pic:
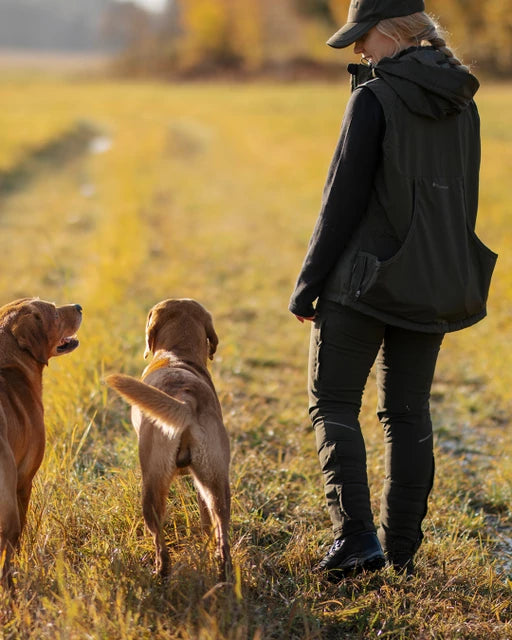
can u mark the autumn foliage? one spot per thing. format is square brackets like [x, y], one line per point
[248, 36]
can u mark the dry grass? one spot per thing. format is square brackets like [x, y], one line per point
[211, 191]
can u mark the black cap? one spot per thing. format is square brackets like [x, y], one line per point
[365, 14]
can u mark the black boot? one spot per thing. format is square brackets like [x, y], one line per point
[399, 552]
[402, 562]
[353, 554]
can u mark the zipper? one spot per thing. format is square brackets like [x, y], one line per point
[357, 294]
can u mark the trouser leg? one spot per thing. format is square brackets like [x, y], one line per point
[344, 345]
[405, 370]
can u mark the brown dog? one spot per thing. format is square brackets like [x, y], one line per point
[178, 419]
[31, 332]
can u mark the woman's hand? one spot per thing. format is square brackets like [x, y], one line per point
[301, 319]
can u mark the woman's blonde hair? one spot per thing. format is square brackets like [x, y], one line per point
[421, 29]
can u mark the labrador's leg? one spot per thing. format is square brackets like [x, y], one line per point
[23, 497]
[216, 494]
[10, 527]
[204, 514]
[158, 467]
[154, 496]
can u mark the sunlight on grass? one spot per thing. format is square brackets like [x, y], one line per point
[211, 191]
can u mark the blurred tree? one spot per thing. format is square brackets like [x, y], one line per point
[316, 8]
[236, 33]
[498, 33]
[248, 35]
[207, 33]
[125, 25]
[339, 10]
[248, 32]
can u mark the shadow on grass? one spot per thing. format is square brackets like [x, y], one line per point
[54, 153]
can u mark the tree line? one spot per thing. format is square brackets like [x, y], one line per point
[253, 36]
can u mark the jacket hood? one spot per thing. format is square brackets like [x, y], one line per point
[427, 84]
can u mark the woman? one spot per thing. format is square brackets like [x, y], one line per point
[395, 264]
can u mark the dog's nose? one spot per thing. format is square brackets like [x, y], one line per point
[78, 307]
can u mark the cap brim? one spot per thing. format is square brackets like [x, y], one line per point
[349, 33]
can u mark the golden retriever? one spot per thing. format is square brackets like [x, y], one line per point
[31, 332]
[178, 419]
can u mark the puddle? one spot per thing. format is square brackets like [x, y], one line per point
[100, 144]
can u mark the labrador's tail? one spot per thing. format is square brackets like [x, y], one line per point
[167, 411]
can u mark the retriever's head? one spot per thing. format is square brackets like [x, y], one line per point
[182, 326]
[41, 328]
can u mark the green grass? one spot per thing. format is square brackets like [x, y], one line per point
[211, 191]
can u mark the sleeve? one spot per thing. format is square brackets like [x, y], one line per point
[345, 196]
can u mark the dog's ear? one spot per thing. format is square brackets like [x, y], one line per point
[213, 339]
[150, 335]
[28, 331]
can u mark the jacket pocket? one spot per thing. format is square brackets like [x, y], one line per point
[442, 271]
[364, 273]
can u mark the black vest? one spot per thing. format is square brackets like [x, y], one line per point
[415, 260]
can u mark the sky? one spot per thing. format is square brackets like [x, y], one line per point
[154, 5]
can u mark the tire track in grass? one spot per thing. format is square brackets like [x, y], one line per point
[51, 155]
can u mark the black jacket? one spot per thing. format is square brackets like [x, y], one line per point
[413, 259]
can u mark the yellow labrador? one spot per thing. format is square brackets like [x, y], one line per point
[31, 332]
[178, 419]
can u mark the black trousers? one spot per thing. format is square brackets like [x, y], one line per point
[344, 346]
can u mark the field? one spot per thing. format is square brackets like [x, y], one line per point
[116, 196]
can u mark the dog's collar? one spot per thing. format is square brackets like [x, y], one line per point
[183, 363]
